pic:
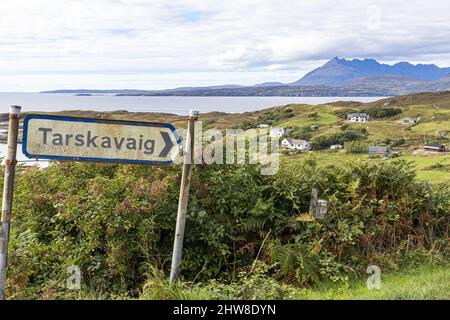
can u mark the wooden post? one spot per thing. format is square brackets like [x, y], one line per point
[314, 202]
[8, 189]
[184, 195]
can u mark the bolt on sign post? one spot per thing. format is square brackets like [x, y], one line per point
[81, 139]
[8, 188]
[184, 195]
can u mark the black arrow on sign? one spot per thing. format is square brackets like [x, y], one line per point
[168, 146]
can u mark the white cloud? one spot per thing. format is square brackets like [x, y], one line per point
[261, 40]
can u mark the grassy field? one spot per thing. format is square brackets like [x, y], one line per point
[424, 283]
[432, 168]
[435, 169]
[434, 113]
[302, 120]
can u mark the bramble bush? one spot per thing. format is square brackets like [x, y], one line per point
[117, 221]
[324, 142]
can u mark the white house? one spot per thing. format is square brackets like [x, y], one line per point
[358, 117]
[277, 132]
[336, 146]
[376, 151]
[298, 144]
[263, 125]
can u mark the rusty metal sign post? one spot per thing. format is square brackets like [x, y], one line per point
[8, 189]
[184, 195]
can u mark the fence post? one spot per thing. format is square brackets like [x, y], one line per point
[314, 201]
[8, 190]
[184, 195]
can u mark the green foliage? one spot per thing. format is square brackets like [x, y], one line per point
[158, 287]
[276, 115]
[257, 284]
[303, 133]
[254, 283]
[247, 124]
[342, 113]
[357, 147]
[313, 115]
[379, 112]
[117, 224]
[324, 142]
[398, 142]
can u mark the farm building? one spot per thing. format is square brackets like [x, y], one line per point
[298, 144]
[336, 146]
[376, 151]
[277, 132]
[434, 147]
[409, 120]
[263, 125]
[358, 117]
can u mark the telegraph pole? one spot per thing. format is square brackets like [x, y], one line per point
[8, 189]
[184, 195]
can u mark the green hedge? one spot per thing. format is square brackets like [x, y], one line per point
[117, 223]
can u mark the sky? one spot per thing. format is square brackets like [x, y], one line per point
[156, 44]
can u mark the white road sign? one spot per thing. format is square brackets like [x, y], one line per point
[99, 140]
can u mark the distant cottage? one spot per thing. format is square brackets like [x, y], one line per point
[378, 152]
[434, 147]
[263, 125]
[409, 120]
[277, 132]
[358, 117]
[336, 146]
[298, 144]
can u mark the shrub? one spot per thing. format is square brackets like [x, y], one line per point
[357, 147]
[324, 142]
[303, 133]
[115, 222]
[379, 112]
[398, 142]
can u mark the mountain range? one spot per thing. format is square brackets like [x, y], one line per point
[341, 72]
[337, 77]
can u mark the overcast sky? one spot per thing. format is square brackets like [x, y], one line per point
[155, 44]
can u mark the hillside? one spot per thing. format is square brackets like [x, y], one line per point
[429, 104]
[432, 108]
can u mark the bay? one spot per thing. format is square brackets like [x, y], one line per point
[168, 104]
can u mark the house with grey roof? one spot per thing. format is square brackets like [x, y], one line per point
[378, 151]
[298, 144]
[434, 147]
[409, 120]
